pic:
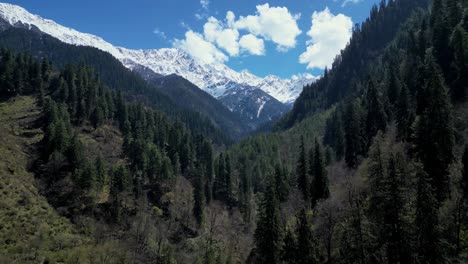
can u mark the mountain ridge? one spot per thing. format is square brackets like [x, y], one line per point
[214, 79]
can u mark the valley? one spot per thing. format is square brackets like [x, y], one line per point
[116, 155]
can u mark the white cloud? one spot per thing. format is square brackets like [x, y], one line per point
[329, 35]
[275, 24]
[160, 33]
[225, 38]
[350, 1]
[272, 23]
[252, 44]
[200, 49]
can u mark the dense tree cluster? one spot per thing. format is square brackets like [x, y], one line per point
[393, 124]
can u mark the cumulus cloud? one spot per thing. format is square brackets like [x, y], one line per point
[272, 23]
[329, 35]
[200, 49]
[252, 44]
[225, 38]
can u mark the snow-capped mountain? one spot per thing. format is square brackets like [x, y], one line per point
[216, 79]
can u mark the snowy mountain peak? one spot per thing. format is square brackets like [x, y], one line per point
[215, 79]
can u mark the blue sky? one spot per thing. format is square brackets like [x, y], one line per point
[148, 24]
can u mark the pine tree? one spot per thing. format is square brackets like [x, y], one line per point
[219, 188]
[434, 135]
[404, 114]
[75, 153]
[394, 86]
[353, 140]
[334, 134]
[376, 116]
[307, 244]
[228, 181]
[281, 185]
[319, 187]
[87, 176]
[303, 183]
[290, 248]
[97, 117]
[268, 234]
[198, 195]
[100, 172]
[429, 247]
[459, 44]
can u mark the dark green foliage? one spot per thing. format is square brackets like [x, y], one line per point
[404, 114]
[303, 181]
[268, 235]
[429, 247]
[334, 134]
[198, 194]
[111, 73]
[222, 189]
[353, 138]
[307, 244]
[387, 201]
[376, 118]
[434, 133]
[281, 183]
[319, 185]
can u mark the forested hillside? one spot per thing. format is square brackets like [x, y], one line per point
[116, 76]
[370, 166]
[373, 166]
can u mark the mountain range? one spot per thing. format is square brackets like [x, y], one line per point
[256, 100]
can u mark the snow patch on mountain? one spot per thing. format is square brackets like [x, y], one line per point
[216, 79]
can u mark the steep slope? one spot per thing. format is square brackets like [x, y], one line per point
[187, 95]
[367, 42]
[253, 105]
[211, 78]
[30, 228]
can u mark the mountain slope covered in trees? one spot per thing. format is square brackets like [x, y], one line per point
[117, 77]
[369, 169]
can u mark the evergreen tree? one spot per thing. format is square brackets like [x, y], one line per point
[376, 116]
[281, 185]
[97, 117]
[429, 247]
[303, 183]
[404, 114]
[290, 248]
[87, 176]
[307, 244]
[100, 172]
[198, 195]
[459, 44]
[319, 187]
[268, 234]
[434, 135]
[353, 140]
[334, 134]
